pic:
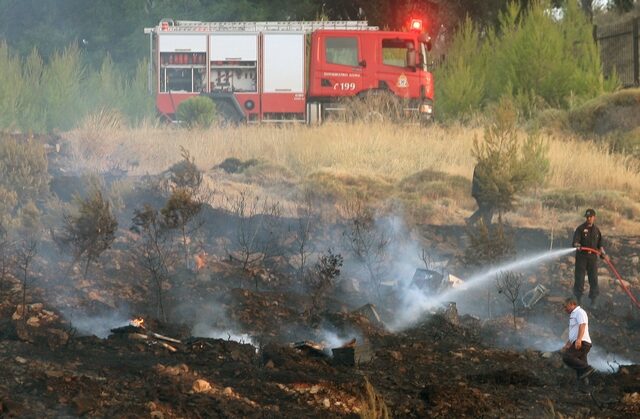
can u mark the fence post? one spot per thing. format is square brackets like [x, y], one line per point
[636, 52]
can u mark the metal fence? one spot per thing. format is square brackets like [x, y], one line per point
[620, 51]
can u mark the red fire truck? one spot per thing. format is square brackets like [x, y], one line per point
[289, 71]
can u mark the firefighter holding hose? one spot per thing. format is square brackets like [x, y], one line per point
[587, 235]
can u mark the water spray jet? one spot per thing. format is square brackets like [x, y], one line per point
[415, 302]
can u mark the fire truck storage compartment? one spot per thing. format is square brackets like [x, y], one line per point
[233, 61]
[182, 63]
[283, 74]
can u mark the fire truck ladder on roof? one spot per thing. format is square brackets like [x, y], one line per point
[293, 26]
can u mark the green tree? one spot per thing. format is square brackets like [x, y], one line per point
[506, 166]
[533, 57]
[462, 80]
[62, 88]
[24, 173]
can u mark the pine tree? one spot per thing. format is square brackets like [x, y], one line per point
[505, 165]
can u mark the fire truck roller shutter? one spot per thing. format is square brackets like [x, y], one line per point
[284, 62]
[173, 42]
[283, 92]
[234, 47]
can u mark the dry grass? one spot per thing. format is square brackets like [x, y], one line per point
[341, 156]
[390, 151]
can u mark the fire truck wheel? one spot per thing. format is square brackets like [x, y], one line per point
[381, 106]
[226, 114]
[374, 116]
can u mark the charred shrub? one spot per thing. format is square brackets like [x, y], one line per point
[6, 256]
[508, 284]
[257, 228]
[197, 112]
[487, 245]
[185, 173]
[179, 211]
[368, 243]
[235, 165]
[91, 229]
[322, 278]
[153, 251]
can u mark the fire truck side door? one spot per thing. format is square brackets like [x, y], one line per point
[395, 69]
[341, 65]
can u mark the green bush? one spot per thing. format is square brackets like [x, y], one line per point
[626, 143]
[197, 112]
[607, 113]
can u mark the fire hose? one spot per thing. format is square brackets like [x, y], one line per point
[626, 289]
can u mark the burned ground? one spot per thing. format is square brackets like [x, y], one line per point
[247, 341]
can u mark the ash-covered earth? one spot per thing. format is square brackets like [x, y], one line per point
[245, 333]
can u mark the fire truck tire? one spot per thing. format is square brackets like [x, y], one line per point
[226, 113]
[381, 106]
[374, 116]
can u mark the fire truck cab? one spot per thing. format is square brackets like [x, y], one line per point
[287, 71]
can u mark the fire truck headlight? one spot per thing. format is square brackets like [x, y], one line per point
[249, 104]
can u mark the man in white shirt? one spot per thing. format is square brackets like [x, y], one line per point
[574, 352]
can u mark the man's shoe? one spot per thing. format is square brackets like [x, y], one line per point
[586, 373]
[593, 303]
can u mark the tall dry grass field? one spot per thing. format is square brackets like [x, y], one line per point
[388, 151]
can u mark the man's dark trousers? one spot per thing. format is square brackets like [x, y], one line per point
[586, 262]
[577, 358]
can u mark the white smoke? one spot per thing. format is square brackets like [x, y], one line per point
[606, 361]
[99, 326]
[205, 331]
[330, 339]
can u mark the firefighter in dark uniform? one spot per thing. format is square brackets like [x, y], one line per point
[587, 235]
[485, 209]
